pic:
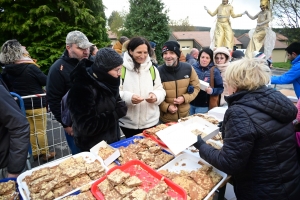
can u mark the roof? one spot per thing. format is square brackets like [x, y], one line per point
[111, 35]
[201, 37]
[281, 37]
[279, 42]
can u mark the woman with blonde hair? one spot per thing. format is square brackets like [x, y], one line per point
[260, 150]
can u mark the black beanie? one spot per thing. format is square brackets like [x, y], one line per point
[172, 46]
[107, 59]
[238, 54]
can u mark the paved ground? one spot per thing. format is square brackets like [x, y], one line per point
[277, 72]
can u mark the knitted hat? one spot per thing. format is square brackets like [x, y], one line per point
[152, 44]
[107, 59]
[223, 50]
[172, 46]
[238, 54]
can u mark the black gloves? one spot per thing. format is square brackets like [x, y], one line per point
[121, 109]
[198, 144]
[220, 126]
[190, 89]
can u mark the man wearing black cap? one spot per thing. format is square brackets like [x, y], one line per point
[176, 78]
[58, 79]
[97, 85]
[236, 55]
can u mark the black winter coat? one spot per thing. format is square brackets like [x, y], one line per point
[14, 133]
[259, 149]
[26, 79]
[92, 107]
[58, 83]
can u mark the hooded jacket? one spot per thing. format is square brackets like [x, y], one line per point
[291, 76]
[14, 133]
[259, 146]
[142, 115]
[26, 79]
[175, 81]
[92, 107]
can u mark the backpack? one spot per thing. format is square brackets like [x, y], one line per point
[65, 112]
[151, 69]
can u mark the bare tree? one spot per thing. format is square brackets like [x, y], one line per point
[287, 15]
[181, 25]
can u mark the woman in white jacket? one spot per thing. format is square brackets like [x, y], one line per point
[141, 93]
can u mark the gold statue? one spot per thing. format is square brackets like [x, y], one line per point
[262, 34]
[223, 34]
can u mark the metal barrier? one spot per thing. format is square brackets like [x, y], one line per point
[47, 134]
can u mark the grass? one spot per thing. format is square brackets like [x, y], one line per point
[282, 65]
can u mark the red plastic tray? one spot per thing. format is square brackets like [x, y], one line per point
[155, 138]
[148, 176]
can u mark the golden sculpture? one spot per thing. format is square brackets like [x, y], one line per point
[262, 34]
[223, 34]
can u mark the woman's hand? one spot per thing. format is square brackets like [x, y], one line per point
[209, 90]
[152, 98]
[135, 99]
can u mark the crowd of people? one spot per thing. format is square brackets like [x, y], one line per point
[121, 89]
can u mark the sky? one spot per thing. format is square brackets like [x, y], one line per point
[194, 9]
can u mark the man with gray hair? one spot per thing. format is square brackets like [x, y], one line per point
[192, 57]
[58, 80]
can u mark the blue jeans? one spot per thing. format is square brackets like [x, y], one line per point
[194, 110]
[71, 144]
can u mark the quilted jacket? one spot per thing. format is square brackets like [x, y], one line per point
[175, 81]
[259, 149]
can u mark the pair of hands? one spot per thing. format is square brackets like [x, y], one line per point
[135, 99]
[173, 107]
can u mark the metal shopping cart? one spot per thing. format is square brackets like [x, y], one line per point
[21, 103]
[54, 132]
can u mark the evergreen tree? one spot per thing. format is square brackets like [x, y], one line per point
[147, 19]
[42, 26]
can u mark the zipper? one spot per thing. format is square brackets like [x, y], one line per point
[176, 89]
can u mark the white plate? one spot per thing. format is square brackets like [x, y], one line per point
[87, 156]
[186, 162]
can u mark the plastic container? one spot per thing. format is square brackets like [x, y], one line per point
[148, 176]
[187, 162]
[127, 142]
[95, 149]
[155, 138]
[217, 112]
[15, 180]
[87, 156]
